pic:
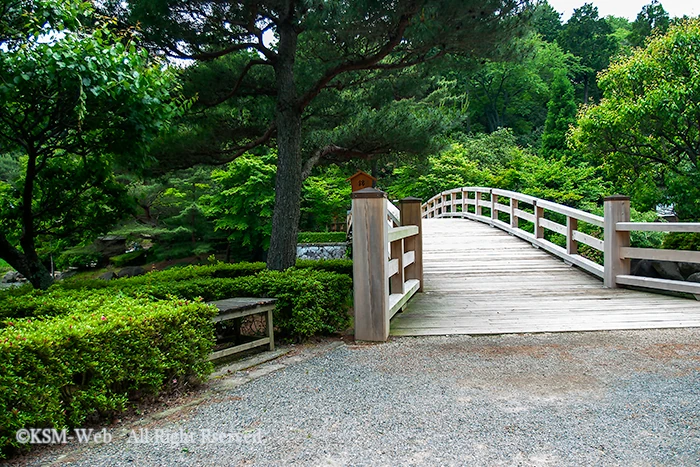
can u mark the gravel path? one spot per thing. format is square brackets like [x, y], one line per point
[606, 398]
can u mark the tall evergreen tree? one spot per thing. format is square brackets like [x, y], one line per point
[588, 37]
[652, 18]
[561, 114]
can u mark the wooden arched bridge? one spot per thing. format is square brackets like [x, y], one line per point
[464, 263]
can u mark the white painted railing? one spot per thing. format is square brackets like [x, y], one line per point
[387, 260]
[470, 202]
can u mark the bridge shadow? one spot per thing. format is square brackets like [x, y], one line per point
[481, 280]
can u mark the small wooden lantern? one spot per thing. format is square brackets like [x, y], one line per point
[362, 180]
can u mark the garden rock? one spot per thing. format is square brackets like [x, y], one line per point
[66, 274]
[321, 250]
[111, 245]
[694, 277]
[668, 270]
[131, 271]
[643, 268]
[107, 276]
[11, 277]
[688, 269]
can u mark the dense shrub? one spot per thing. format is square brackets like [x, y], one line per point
[63, 371]
[313, 298]
[682, 241]
[322, 237]
[133, 258]
[79, 257]
[341, 266]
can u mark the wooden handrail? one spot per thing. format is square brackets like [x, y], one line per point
[616, 226]
[387, 261]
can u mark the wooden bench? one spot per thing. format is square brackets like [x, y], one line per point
[234, 308]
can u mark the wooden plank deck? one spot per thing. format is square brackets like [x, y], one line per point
[480, 280]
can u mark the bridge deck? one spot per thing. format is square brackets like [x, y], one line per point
[480, 280]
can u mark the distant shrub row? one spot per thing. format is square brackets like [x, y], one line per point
[322, 237]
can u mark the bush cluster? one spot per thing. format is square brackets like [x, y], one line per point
[71, 369]
[322, 237]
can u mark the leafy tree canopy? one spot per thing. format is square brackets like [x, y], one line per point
[73, 103]
[646, 130]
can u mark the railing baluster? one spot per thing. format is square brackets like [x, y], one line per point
[539, 213]
[410, 215]
[571, 244]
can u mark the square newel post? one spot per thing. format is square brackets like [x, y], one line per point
[370, 240]
[617, 209]
[410, 215]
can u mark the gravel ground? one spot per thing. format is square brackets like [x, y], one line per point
[604, 398]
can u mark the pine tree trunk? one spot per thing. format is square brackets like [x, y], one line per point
[285, 219]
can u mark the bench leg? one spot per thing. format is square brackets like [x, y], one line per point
[270, 330]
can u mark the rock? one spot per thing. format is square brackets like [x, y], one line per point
[131, 271]
[111, 245]
[107, 276]
[12, 277]
[694, 277]
[668, 270]
[321, 250]
[688, 269]
[643, 268]
[66, 274]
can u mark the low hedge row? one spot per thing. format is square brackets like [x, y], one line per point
[310, 301]
[63, 371]
[322, 237]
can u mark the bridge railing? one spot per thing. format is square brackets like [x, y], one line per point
[615, 223]
[387, 260]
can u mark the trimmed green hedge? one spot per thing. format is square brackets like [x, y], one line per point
[64, 371]
[322, 237]
[313, 298]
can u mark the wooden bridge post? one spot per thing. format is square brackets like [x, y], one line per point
[369, 249]
[411, 215]
[616, 209]
[539, 214]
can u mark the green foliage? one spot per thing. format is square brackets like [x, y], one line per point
[513, 93]
[645, 133]
[546, 21]
[76, 104]
[561, 114]
[496, 161]
[59, 372]
[78, 257]
[211, 282]
[133, 258]
[322, 237]
[589, 38]
[554, 180]
[242, 207]
[340, 266]
[325, 199]
[652, 19]
[682, 241]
